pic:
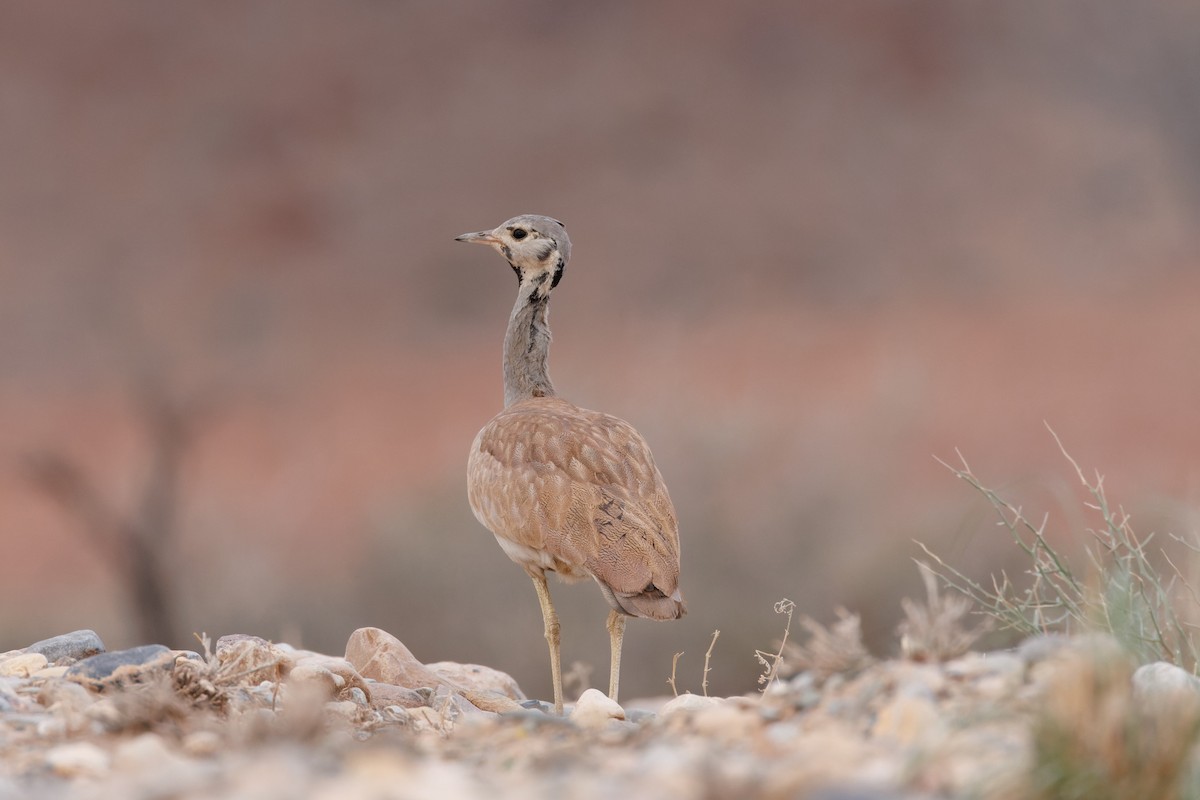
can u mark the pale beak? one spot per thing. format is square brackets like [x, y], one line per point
[481, 237]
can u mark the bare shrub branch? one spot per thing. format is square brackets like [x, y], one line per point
[1126, 593]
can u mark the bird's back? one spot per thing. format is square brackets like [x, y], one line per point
[577, 492]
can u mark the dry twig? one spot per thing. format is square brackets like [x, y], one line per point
[707, 656]
[771, 662]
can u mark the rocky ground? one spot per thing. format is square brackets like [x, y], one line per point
[246, 718]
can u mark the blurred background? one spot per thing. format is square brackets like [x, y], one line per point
[815, 246]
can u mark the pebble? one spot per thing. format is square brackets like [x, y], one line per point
[202, 744]
[336, 674]
[425, 719]
[253, 658]
[594, 708]
[686, 703]
[75, 646]
[916, 678]
[238, 641]
[10, 700]
[538, 705]
[78, 759]
[50, 672]
[52, 728]
[105, 713]
[639, 715]
[346, 710]
[22, 665]
[120, 667]
[726, 722]
[804, 691]
[378, 655]
[382, 695]
[66, 697]
[906, 718]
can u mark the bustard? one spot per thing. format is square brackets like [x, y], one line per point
[565, 489]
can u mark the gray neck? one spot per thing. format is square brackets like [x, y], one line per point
[527, 346]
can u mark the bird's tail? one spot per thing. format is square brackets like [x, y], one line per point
[652, 603]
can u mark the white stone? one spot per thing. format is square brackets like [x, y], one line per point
[50, 672]
[23, 665]
[316, 673]
[202, 743]
[1162, 679]
[336, 674]
[688, 703]
[594, 708]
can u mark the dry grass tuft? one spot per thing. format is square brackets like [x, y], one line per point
[1093, 739]
[934, 630]
[211, 681]
[155, 705]
[829, 651]
[1132, 592]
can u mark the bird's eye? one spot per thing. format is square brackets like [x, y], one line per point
[519, 234]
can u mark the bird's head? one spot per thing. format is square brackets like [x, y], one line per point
[536, 247]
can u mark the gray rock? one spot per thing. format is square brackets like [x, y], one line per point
[75, 645]
[120, 666]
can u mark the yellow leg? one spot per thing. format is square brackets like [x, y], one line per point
[552, 628]
[616, 635]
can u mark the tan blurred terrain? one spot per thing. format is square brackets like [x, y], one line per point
[814, 247]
